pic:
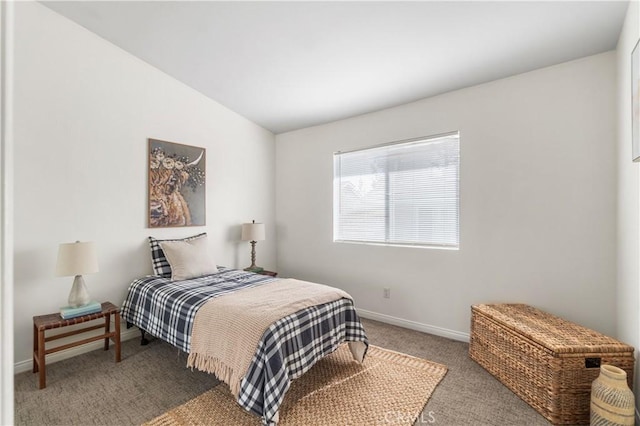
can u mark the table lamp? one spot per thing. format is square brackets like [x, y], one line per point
[76, 259]
[253, 232]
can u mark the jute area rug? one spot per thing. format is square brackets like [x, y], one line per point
[388, 388]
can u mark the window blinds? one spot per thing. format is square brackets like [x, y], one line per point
[405, 193]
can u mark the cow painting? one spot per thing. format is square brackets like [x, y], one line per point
[174, 179]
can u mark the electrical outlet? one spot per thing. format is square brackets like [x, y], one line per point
[387, 293]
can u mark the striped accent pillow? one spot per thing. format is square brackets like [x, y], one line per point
[159, 261]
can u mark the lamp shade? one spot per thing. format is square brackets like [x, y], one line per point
[253, 231]
[76, 259]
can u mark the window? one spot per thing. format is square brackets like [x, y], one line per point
[404, 193]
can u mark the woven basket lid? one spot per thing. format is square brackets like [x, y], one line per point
[552, 332]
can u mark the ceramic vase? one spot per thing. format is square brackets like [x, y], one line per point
[612, 402]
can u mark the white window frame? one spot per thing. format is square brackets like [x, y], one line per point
[452, 241]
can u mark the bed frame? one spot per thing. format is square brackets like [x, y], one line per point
[143, 339]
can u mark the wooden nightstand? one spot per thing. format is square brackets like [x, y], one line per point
[262, 272]
[48, 322]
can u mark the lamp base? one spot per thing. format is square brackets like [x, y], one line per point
[79, 296]
[254, 269]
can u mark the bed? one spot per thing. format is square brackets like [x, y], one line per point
[174, 311]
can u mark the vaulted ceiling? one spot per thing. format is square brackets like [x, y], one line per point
[289, 65]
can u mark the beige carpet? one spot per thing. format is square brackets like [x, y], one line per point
[389, 388]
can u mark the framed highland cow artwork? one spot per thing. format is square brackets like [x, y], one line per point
[177, 192]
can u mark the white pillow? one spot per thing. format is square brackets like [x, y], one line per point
[189, 259]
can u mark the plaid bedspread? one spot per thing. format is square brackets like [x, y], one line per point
[289, 347]
[166, 309]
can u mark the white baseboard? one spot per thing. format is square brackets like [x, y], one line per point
[413, 325]
[133, 332]
[26, 365]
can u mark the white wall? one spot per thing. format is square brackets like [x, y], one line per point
[83, 112]
[6, 213]
[538, 202]
[628, 248]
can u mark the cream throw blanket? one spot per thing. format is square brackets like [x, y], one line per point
[227, 329]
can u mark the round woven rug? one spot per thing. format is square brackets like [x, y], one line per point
[388, 388]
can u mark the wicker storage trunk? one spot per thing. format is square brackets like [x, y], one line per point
[545, 360]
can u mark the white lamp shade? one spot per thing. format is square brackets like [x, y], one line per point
[76, 259]
[253, 231]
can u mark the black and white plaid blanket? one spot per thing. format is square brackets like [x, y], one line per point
[166, 309]
[288, 348]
